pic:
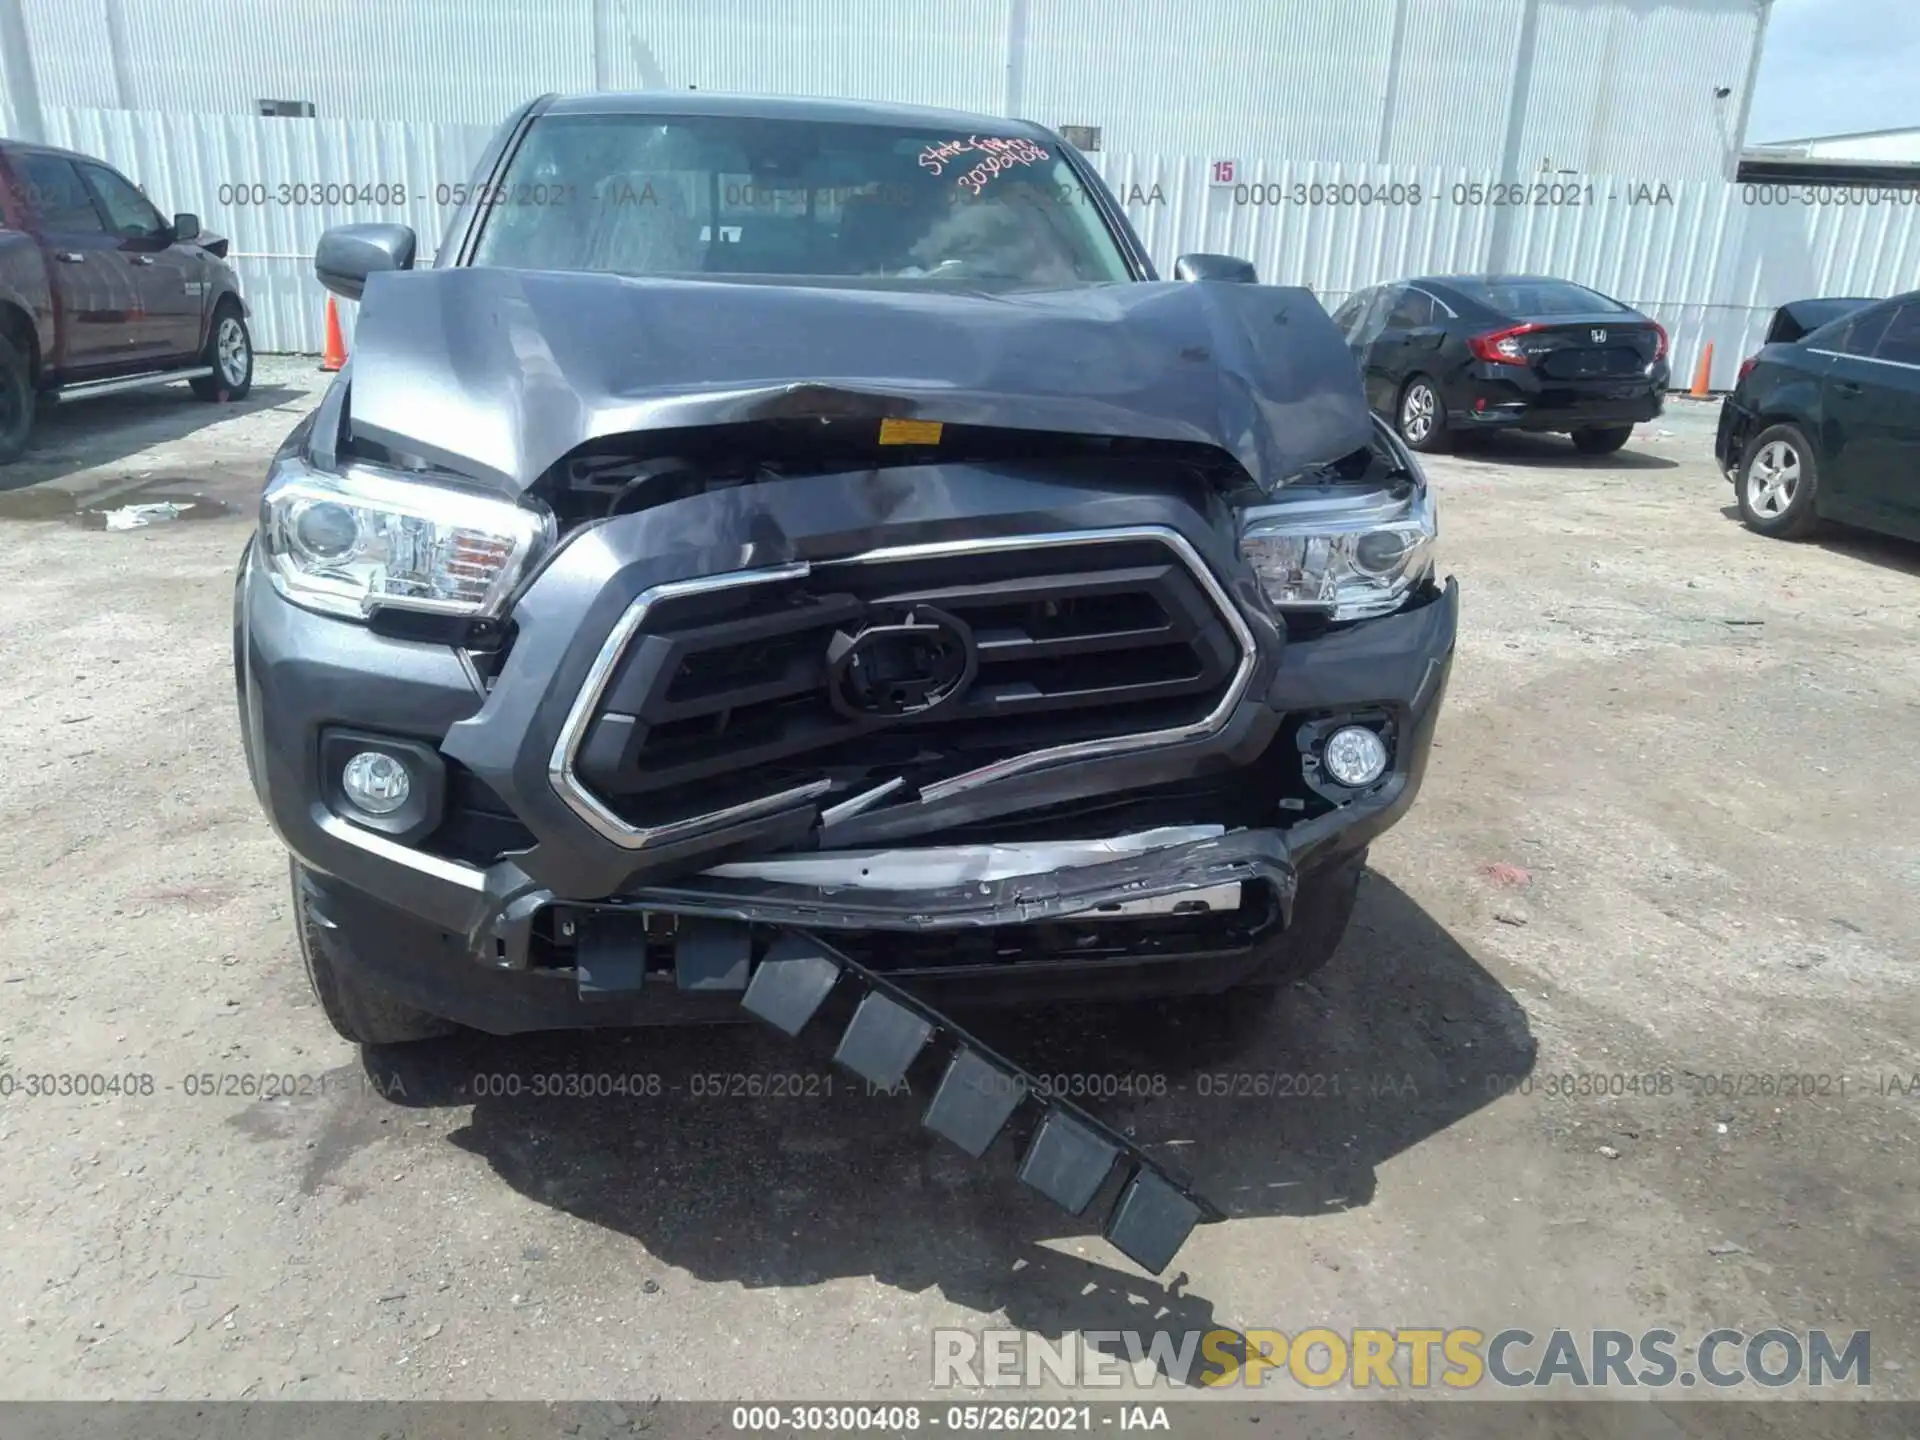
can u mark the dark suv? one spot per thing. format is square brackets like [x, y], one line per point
[785, 549]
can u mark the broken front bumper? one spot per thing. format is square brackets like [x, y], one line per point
[301, 674]
[518, 837]
[1157, 857]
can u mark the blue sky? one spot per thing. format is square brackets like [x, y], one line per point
[1832, 66]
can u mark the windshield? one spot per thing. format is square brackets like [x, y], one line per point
[1526, 297]
[653, 195]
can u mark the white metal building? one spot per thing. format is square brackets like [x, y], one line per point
[1869, 147]
[1451, 101]
[1654, 89]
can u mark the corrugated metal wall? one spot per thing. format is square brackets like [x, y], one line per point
[1613, 88]
[1222, 78]
[1705, 258]
[444, 61]
[473, 61]
[1708, 259]
[1622, 87]
[1456, 68]
[1616, 87]
[929, 52]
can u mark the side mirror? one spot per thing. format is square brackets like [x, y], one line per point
[186, 227]
[348, 254]
[1230, 268]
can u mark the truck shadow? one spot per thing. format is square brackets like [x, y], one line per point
[1289, 1113]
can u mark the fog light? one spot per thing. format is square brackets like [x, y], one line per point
[379, 784]
[1355, 756]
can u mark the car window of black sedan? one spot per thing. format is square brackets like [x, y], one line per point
[733, 195]
[1413, 309]
[1901, 342]
[1530, 298]
[1351, 318]
[1367, 329]
[1859, 335]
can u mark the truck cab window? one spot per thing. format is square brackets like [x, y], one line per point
[53, 193]
[129, 212]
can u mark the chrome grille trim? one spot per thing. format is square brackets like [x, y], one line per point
[1114, 745]
[566, 784]
[566, 749]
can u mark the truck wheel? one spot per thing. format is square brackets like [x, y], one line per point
[360, 1015]
[230, 352]
[1602, 441]
[1321, 911]
[16, 402]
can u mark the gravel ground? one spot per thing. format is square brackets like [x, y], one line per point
[1668, 832]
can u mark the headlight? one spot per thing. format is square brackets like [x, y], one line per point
[353, 542]
[1341, 553]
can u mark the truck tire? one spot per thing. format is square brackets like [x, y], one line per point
[1226, 1022]
[230, 352]
[1321, 911]
[357, 1014]
[16, 402]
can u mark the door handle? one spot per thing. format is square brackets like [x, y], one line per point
[72, 257]
[1847, 387]
[139, 259]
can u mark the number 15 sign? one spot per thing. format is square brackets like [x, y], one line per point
[1222, 172]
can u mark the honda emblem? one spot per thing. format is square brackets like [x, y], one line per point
[1599, 336]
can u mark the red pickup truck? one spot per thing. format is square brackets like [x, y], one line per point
[99, 293]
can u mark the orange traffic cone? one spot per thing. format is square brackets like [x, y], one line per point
[1705, 373]
[335, 355]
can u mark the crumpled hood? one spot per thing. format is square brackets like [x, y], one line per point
[499, 373]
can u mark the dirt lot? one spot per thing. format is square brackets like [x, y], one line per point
[1668, 837]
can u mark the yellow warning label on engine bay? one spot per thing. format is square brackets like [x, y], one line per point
[910, 432]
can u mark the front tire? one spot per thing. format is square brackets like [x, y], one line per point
[1322, 909]
[358, 1014]
[1421, 416]
[1602, 441]
[230, 352]
[1234, 1018]
[1778, 484]
[16, 402]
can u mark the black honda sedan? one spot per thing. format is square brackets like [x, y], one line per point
[1827, 426]
[1448, 355]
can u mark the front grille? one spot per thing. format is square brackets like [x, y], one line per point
[727, 696]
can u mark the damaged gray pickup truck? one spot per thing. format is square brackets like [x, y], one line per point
[795, 558]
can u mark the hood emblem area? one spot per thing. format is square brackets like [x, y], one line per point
[899, 666]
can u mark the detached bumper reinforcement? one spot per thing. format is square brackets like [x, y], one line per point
[1069, 1156]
